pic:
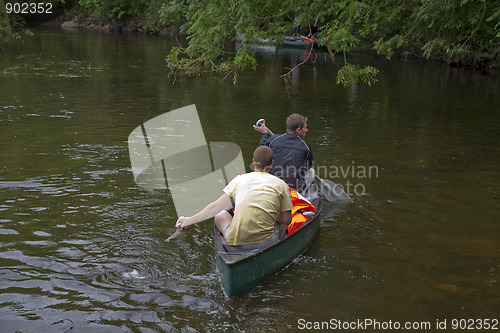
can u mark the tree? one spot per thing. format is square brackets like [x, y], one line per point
[14, 14]
[113, 10]
[459, 31]
[210, 24]
[5, 29]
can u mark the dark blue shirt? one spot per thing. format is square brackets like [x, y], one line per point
[292, 158]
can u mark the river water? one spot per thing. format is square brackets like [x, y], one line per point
[82, 246]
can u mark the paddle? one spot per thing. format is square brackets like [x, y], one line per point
[331, 191]
[260, 122]
[176, 233]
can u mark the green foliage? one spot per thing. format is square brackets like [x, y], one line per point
[353, 74]
[337, 38]
[454, 27]
[12, 24]
[114, 10]
[387, 47]
[5, 29]
[495, 19]
[446, 29]
[209, 25]
[245, 60]
[432, 28]
[172, 12]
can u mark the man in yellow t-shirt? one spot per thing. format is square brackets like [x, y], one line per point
[260, 199]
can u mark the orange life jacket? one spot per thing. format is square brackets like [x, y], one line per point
[300, 205]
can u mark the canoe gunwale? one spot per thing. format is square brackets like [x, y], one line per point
[298, 42]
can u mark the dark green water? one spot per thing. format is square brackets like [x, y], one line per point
[82, 246]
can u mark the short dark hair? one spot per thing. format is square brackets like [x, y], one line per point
[263, 156]
[295, 121]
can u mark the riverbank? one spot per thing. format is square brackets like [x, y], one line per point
[71, 22]
[129, 27]
[476, 60]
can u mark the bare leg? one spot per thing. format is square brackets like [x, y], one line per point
[222, 220]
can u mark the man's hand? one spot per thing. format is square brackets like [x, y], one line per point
[262, 128]
[184, 223]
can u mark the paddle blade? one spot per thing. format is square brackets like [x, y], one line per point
[332, 191]
[172, 236]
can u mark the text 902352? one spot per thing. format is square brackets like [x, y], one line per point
[28, 8]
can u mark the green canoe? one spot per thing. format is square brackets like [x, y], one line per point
[299, 41]
[241, 272]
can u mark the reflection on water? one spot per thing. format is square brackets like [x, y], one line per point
[82, 246]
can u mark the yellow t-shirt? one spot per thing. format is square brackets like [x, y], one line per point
[258, 197]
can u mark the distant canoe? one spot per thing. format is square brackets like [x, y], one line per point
[263, 45]
[299, 41]
[241, 272]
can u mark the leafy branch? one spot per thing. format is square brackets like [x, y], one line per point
[287, 77]
[340, 39]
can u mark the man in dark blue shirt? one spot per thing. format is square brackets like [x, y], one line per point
[292, 154]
